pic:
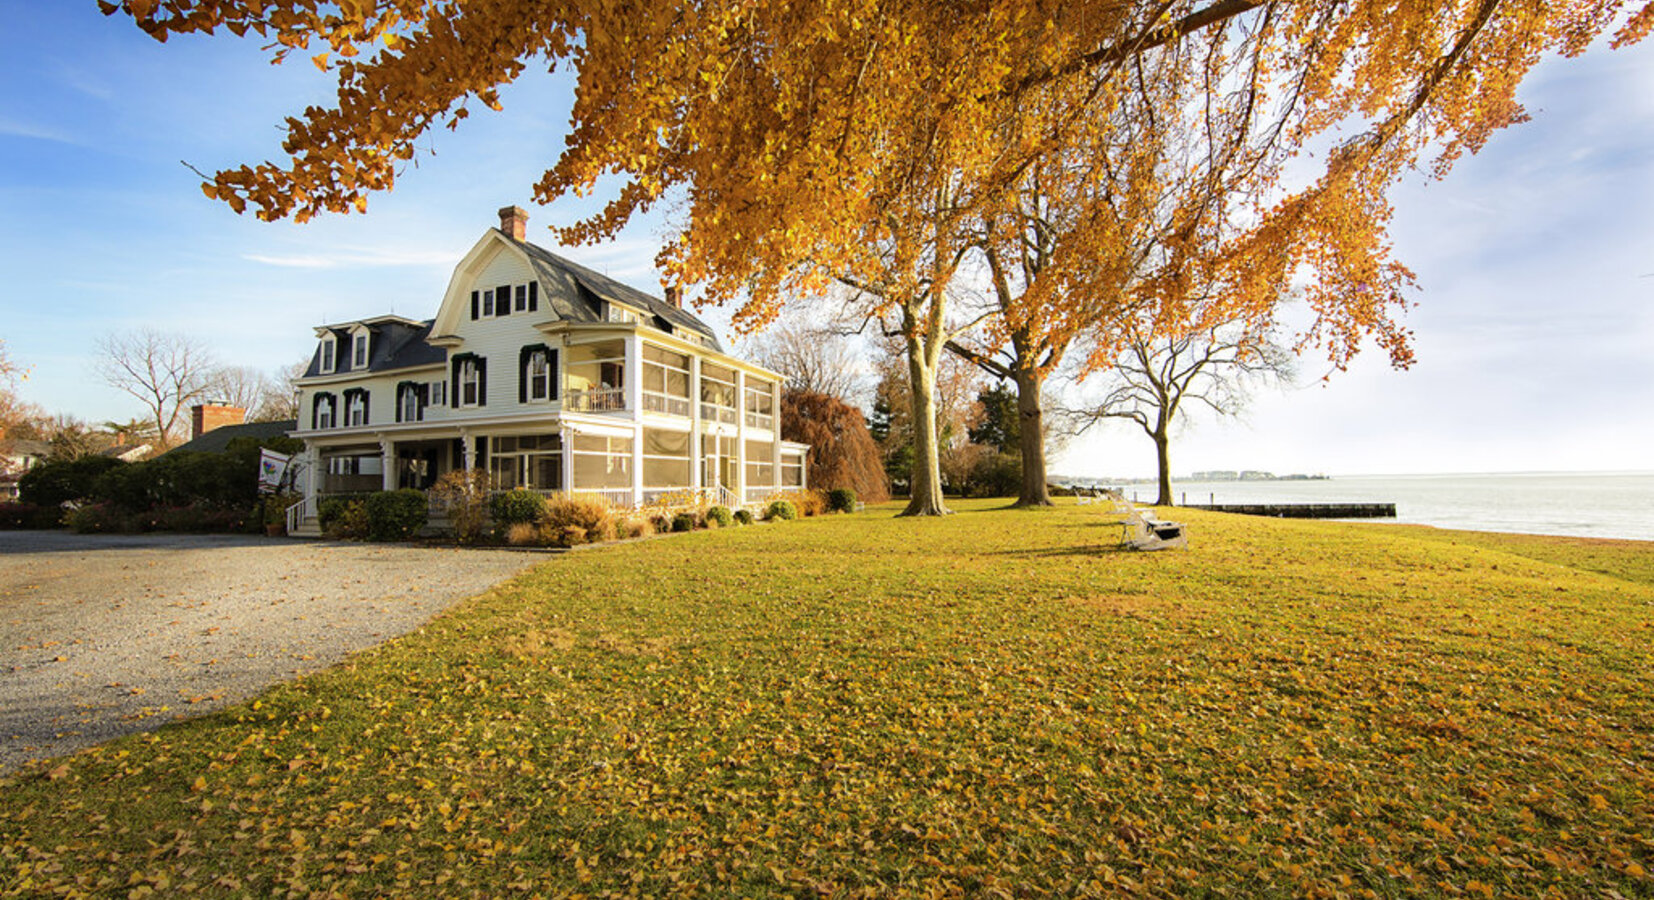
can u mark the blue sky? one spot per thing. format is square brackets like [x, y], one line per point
[1534, 334]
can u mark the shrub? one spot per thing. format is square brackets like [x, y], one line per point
[516, 507]
[743, 516]
[781, 509]
[574, 520]
[683, 522]
[810, 502]
[463, 496]
[841, 500]
[661, 522]
[349, 522]
[101, 518]
[29, 515]
[525, 534]
[636, 528]
[55, 483]
[721, 515]
[200, 518]
[395, 515]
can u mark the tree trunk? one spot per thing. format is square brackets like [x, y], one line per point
[924, 354]
[1031, 438]
[1161, 447]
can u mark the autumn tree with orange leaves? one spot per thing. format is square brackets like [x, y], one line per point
[823, 141]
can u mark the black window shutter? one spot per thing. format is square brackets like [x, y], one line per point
[482, 381]
[534, 296]
[502, 300]
[551, 367]
[400, 390]
[473, 306]
[453, 388]
[526, 354]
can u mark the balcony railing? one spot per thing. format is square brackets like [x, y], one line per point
[595, 400]
[654, 401]
[712, 412]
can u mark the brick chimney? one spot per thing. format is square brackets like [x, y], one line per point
[674, 295]
[205, 417]
[514, 221]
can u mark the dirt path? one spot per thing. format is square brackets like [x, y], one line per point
[102, 636]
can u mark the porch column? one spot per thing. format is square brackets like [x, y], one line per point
[566, 436]
[637, 464]
[387, 462]
[775, 433]
[741, 436]
[467, 450]
[310, 470]
[696, 457]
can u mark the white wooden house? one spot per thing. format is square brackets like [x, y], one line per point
[550, 376]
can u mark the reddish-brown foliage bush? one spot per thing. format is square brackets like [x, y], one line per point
[842, 452]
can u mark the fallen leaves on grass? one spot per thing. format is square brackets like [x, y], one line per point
[869, 707]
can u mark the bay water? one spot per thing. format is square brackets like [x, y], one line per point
[1583, 504]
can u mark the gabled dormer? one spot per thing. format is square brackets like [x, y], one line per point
[361, 347]
[328, 355]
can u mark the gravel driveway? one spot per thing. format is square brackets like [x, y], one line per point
[104, 635]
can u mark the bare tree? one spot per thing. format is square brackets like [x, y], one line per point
[165, 371]
[242, 386]
[281, 399]
[815, 359]
[1154, 377]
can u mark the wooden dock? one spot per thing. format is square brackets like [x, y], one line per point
[1305, 510]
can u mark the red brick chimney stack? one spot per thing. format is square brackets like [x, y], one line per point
[674, 296]
[514, 221]
[205, 417]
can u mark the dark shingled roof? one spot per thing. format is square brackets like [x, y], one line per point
[575, 280]
[394, 345]
[571, 291]
[217, 439]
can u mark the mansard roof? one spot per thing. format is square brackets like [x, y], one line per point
[397, 343]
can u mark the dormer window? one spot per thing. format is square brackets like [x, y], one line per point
[359, 355]
[328, 347]
[618, 313]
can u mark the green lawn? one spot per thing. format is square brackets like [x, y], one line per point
[991, 703]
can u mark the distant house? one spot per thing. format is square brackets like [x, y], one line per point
[17, 457]
[551, 377]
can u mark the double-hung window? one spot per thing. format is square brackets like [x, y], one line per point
[411, 410]
[323, 415]
[438, 392]
[359, 359]
[328, 347]
[356, 408]
[539, 375]
[470, 383]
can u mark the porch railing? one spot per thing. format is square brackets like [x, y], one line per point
[298, 512]
[595, 400]
[712, 412]
[654, 401]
